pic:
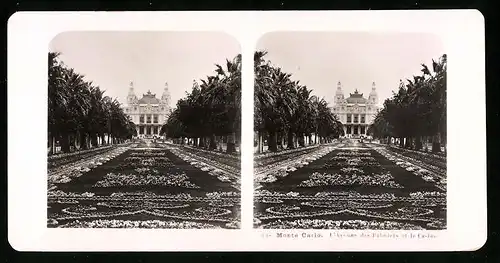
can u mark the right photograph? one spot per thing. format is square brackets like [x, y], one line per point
[350, 131]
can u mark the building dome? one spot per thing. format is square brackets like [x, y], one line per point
[356, 98]
[149, 98]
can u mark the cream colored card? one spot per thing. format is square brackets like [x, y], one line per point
[349, 194]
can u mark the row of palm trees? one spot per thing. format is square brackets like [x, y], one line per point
[285, 112]
[210, 111]
[79, 115]
[417, 112]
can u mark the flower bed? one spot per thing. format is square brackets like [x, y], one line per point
[271, 157]
[424, 170]
[267, 200]
[215, 214]
[222, 194]
[382, 179]
[271, 172]
[275, 194]
[65, 173]
[437, 159]
[348, 204]
[143, 205]
[104, 223]
[297, 213]
[114, 180]
[339, 224]
[427, 194]
[405, 213]
[233, 225]
[147, 153]
[145, 162]
[222, 203]
[214, 166]
[228, 159]
[125, 195]
[283, 209]
[439, 224]
[62, 158]
[59, 193]
[79, 210]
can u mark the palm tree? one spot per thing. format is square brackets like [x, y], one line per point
[284, 108]
[211, 109]
[78, 110]
[417, 110]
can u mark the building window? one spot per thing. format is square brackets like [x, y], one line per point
[363, 118]
[348, 118]
[148, 120]
[362, 129]
[348, 130]
[155, 118]
[355, 118]
[141, 118]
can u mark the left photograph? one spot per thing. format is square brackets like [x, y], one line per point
[144, 130]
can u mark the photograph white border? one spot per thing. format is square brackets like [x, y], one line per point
[29, 34]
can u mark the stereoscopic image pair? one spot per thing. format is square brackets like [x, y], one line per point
[144, 131]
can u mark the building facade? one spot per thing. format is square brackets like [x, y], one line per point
[356, 113]
[148, 113]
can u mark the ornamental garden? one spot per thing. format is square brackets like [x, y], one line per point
[312, 178]
[101, 176]
[159, 186]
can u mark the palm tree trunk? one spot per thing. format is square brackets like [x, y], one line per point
[301, 140]
[231, 146]
[65, 143]
[279, 145]
[272, 142]
[83, 141]
[213, 143]
[418, 143]
[436, 143]
[407, 144]
[93, 140]
[290, 144]
[259, 142]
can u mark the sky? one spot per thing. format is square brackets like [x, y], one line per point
[111, 60]
[320, 60]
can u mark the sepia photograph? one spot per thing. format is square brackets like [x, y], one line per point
[279, 131]
[350, 131]
[144, 130]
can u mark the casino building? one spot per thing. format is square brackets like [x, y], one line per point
[148, 113]
[356, 113]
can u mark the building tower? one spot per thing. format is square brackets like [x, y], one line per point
[165, 97]
[165, 102]
[131, 98]
[339, 94]
[373, 97]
